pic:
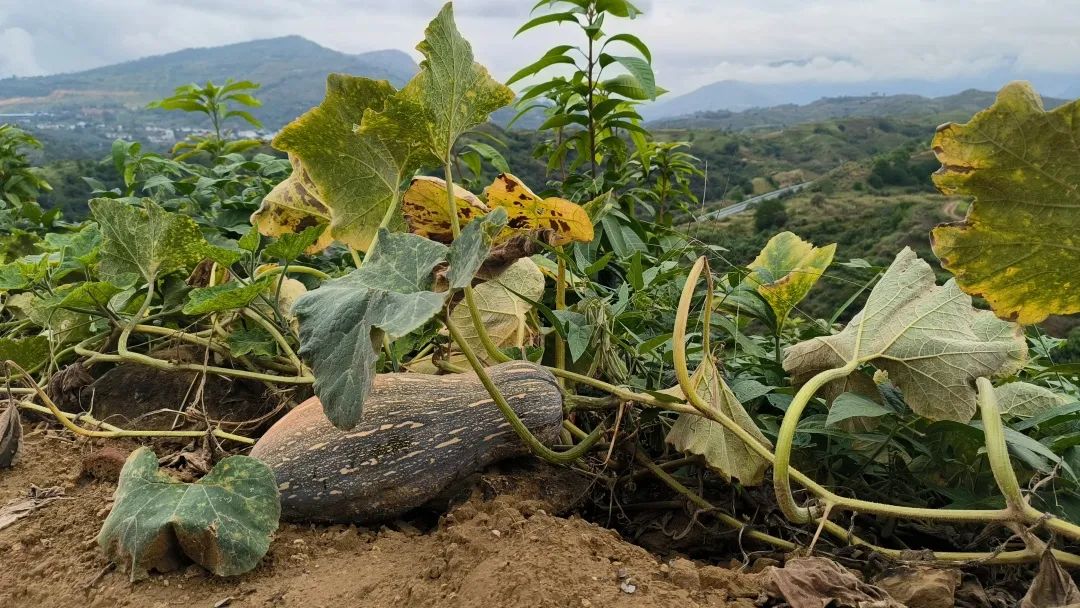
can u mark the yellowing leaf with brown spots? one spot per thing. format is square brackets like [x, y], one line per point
[427, 211]
[292, 206]
[554, 220]
[527, 212]
[1019, 245]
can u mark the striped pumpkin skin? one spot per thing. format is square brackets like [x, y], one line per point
[419, 435]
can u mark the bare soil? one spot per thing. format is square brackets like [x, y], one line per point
[502, 547]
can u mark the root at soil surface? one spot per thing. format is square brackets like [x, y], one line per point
[493, 550]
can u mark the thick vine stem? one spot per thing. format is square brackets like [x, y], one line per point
[534, 444]
[840, 502]
[67, 419]
[785, 440]
[624, 393]
[997, 452]
[293, 268]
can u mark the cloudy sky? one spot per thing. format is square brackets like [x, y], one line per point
[694, 41]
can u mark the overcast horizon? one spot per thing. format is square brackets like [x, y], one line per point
[694, 42]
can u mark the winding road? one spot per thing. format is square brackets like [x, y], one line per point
[750, 202]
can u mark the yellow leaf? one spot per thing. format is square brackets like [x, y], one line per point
[785, 271]
[527, 212]
[292, 206]
[427, 213]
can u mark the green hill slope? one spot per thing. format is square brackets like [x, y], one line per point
[292, 71]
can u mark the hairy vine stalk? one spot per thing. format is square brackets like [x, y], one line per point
[1016, 512]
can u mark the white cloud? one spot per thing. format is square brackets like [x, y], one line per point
[694, 41]
[18, 56]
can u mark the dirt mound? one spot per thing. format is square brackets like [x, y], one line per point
[493, 550]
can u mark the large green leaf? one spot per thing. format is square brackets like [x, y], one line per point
[228, 296]
[785, 271]
[223, 522]
[723, 451]
[144, 241]
[343, 322]
[1019, 244]
[458, 92]
[930, 340]
[355, 175]
[27, 352]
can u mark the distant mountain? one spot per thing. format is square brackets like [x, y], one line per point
[737, 96]
[292, 71]
[958, 107]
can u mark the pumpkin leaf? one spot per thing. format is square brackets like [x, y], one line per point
[251, 341]
[1024, 400]
[425, 208]
[291, 245]
[145, 241]
[228, 296]
[853, 407]
[457, 92]
[554, 220]
[527, 212]
[356, 173]
[223, 522]
[471, 248]
[27, 352]
[293, 206]
[342, 323]
[1022, 166]
[92, 294]
[723, 451]
[929, 339]
[503, 311]
[785, 271]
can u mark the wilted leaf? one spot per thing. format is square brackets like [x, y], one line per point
[458, 93]
[294, 206]
[228, 296]
[10, 435]
[222, 522]
[1053, 587]
[929, 339]
[355, 174]
[724, 452]
[785, 271]
[504, 314]
[1018, 245]
[27, 352]
[817, 582]
[145, 241]
[1024, 400]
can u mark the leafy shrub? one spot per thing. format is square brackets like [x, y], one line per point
[770, 214]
